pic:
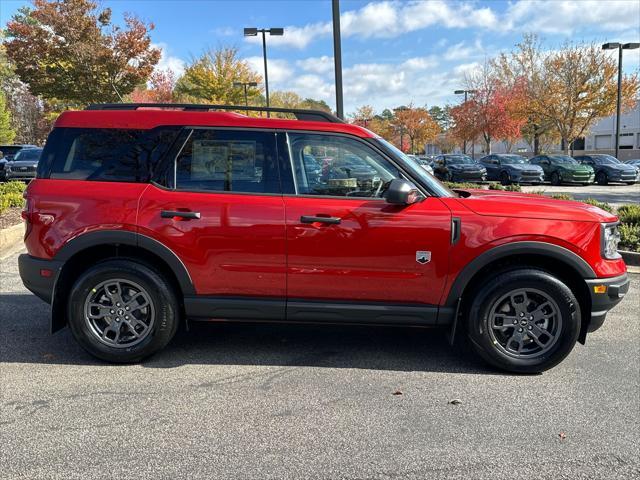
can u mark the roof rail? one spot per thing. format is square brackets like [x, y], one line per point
[299, 113]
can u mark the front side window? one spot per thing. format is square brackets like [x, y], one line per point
[338, 166]
[228, 161]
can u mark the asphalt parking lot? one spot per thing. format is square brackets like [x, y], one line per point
[243, 401]
[615, 194]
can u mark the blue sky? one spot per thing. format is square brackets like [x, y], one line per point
[394, 52]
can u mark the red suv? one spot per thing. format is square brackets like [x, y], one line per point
[144, 216]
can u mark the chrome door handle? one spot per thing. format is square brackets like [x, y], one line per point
[314, 219]
[186, 215]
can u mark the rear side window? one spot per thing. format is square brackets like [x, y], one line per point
[228, 161]
[122, 155]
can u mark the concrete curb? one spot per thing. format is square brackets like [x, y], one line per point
[630, 258]
[10, 236]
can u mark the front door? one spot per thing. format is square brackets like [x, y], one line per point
[221, 212]
[345, 243]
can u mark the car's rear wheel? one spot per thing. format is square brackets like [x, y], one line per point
[555, 178]
[524, 321]
[122, 311]
[601, 178]
[504, 178]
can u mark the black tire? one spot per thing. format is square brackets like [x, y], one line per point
[504, 178]
[630, 183]
[601, 178]
[555, 179]
[487, 345]
[163, 308]
[447, 177]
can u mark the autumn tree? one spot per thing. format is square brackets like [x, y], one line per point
[362, 116]
[417, 125]
[493, 110]
[71, 51]
[581, 86]
[442, 116]
[211, 77]
[160, 89]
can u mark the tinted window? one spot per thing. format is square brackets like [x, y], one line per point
[459, 159]
[348, 167]
[228, 161]
[104, 154]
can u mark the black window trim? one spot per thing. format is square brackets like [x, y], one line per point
[371, 145]
[171, 161]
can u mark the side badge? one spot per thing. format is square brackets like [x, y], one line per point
[423, 257]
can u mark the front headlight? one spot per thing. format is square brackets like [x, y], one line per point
[610, 240]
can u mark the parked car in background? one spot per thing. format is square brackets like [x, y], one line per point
[634, 161]
[7, 152]
[561, 169]
[24, 165]
[458, 167]
[511, 168]
[609, 169]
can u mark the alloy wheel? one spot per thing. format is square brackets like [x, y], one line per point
[119, 313]
[525, 323]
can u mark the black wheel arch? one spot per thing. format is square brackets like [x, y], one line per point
[90, 247]
[561, 262]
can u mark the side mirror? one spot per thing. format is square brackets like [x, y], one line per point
[401, 192]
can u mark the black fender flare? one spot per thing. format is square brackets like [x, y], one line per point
[123, 237]
[114, 237]
[548, 250]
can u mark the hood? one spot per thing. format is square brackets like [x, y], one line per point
[508, 204]
[459, 166]
[621, 167]
[23, 163]
[524, 166]
[575, 168]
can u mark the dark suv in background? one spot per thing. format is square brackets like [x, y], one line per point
[609, 169]
[24, 165]
[510, 168]
[7, 152]
[561, 169]
[458, 168]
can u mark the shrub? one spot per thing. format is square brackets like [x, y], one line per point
[461, 185]
[514, 187]
[562, 196]
[629, 214]
[536, 192]
[603, 205]
[495, 186]
[12, 187]
[630, 237]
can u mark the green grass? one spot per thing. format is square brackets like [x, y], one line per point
[629, 214]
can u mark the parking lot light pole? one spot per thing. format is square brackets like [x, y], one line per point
[245, 85]
[253, 32]
[620, 47]
[465, 92]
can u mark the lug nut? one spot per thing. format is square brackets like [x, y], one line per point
[515, 322]
[112, 311]
[126, 317]
[530, 327]
[521, 329]
[521, 314]
[126, 308]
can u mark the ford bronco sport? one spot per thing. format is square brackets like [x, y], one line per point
[144, 216]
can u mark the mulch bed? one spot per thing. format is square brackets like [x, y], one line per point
[10, 217]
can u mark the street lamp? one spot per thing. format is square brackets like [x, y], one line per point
[465, 92]
[253, 32]
[245, 85]
[619, 47]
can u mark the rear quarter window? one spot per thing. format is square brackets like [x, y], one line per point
[109, 154]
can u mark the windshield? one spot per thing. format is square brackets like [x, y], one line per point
[27, 155]
[417, 171]
[460, 159]
[563, 159]
[512, 159]
[606, 160]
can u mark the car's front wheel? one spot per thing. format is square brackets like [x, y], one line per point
[524, 321]
[556, 179]
[121, 310]
[601, 178]
[504, 178]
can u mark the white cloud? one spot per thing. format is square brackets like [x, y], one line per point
[322, 65]
[169, 61]
[567, 17]
[463, 51]
[296, 37]
[279, 70]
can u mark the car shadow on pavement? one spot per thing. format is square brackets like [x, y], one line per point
[25, 338]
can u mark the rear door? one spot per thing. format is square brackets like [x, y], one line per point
[219, 208]
[347, 244]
